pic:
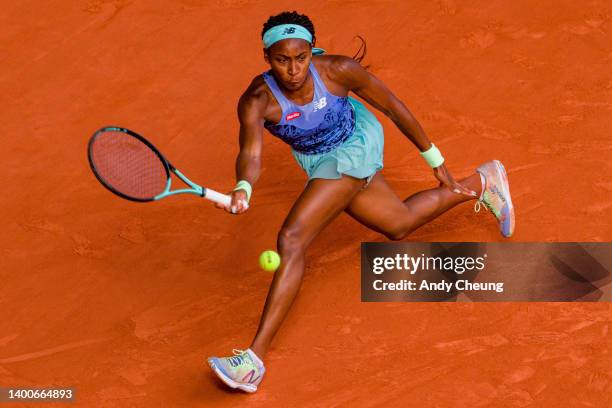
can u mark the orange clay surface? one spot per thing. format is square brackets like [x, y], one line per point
[124, 301]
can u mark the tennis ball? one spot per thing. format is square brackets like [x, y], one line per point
[269, 260]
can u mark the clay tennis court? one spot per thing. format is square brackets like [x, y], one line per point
[124, 301]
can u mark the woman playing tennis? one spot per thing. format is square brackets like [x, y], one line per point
[304, 100]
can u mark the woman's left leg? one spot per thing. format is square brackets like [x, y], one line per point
[379, 208]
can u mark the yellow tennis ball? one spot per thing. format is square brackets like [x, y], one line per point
[269, 260]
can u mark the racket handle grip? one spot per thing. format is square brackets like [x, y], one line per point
[212, 195]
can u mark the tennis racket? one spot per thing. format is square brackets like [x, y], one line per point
[131, 167]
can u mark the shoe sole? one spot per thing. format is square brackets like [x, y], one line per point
[228, 381]
[506, 191]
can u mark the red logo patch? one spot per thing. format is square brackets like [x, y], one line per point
[293, 115]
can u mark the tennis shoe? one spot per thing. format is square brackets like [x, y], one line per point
[244, 370]
[496, 196]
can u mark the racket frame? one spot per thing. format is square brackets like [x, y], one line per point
[168, 167]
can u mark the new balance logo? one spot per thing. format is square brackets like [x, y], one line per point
[320, 104]
[289, 30]
[499, 193]
[249, 377]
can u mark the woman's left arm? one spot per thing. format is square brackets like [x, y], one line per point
[351, 74]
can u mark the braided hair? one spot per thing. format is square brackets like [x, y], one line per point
[293, 17]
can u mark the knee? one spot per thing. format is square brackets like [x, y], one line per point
[396, 236]
[399, 233]
[291, 240]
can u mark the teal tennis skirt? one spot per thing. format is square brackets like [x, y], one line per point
[359, 156]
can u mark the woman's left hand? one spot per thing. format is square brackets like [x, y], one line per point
[446, 179]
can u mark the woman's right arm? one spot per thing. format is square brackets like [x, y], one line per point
[251, 109]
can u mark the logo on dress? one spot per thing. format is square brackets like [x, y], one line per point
[293, 115]
[320, 104]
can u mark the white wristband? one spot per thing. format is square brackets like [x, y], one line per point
[433, 157]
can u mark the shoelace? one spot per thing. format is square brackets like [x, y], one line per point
[486, 205]
[239, 359]
[478, 205]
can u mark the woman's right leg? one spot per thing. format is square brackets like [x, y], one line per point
[317, 206]
[320, 203]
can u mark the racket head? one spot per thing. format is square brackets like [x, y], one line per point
[127, 164]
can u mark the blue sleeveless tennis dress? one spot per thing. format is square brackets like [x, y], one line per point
[329, 136]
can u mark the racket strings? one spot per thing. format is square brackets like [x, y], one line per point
[128, 165]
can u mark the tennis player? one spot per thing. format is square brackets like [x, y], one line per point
[304, 100]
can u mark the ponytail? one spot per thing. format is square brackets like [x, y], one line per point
[361, 52]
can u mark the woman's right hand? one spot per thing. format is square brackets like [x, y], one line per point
[239, 203]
